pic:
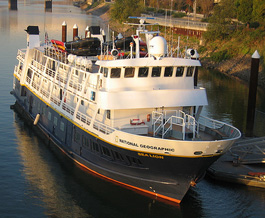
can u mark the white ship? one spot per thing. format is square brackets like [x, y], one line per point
[135, 121]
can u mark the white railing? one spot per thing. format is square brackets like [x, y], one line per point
[214, 125]
[103, 128]
[163, 122]
[68, 108]
[173, 120]
[21, 53]
[157, 119]
[211, 123]
[83, 118]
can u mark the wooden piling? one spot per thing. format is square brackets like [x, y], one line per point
[75, 31]
[48, 5]
[86, 31]
[64, 31]
[12, 4]
[253, 83]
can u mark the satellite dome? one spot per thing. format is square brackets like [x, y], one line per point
[158, 46]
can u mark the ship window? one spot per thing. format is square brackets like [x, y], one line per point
[108, 114]
[85, 142]
[55, 121]
[115, 73]
[117, 155]
[143, 72]
[93, 96]
[156, 71]
[23, 91]
[62, 126]
[49, 116]
[105, 71]
[129, 72]
[190, 71]
[105, 151]
[180, 71]
[168, 71]
[76, 136]
[95, 146]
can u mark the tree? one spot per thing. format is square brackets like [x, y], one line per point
[220, 23]
[258, 13]
[206, 6]
[244, 10]
[122, 9]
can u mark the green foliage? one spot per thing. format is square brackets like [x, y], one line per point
[220, 23]
[122, 9]
[244, 10]
[221, 55]
[258, 13]
[178, 15]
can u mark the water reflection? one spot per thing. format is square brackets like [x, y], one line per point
[228, 99]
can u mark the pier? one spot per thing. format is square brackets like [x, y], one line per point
[186, 26]
[242, 164]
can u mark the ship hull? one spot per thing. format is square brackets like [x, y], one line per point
[162, 176]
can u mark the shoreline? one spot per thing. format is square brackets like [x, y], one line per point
[237, 67]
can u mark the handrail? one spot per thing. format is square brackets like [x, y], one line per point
[156, 120]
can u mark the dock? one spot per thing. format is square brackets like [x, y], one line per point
[244, 163]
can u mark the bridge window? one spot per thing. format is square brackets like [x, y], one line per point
[180, 71]
[115, 73]
[104, 70]
[156, 71]
[190, 71]
[168, 72]
[108, 114]
[143, 72]
[129, 72]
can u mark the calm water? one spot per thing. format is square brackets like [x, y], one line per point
[34, 182]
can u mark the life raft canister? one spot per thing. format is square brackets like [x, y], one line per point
[148, 117]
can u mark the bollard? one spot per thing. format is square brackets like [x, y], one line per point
[64, 31]
[12, 4]
[75, 31]
[86, 31]
[48, 5]
[253, 83]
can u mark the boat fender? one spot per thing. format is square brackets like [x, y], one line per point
[36, 119]
[114, 52]
[148, 117]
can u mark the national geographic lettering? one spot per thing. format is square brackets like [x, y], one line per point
[157, 148]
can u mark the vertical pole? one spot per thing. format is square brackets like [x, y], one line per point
[253, 83]
[64, 31]
[75, 31]
[12, 4]
[86, 31]
[48, 5]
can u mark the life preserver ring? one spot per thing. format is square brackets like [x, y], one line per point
[136, 122]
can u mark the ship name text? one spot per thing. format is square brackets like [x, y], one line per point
[157, 148]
